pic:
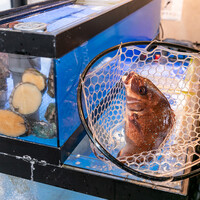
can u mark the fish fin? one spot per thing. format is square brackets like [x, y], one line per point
[126, 151]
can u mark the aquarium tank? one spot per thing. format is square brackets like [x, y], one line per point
[43, 52]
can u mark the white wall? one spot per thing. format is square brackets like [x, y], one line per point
[34, 1]
[188, 28]
[5, 5]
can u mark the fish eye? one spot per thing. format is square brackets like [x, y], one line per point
[143, 90]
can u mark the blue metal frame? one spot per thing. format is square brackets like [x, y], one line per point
[69, 67]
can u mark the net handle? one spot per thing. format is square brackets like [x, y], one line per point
[151, 45]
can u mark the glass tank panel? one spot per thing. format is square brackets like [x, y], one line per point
[64, 16]
[27, 107]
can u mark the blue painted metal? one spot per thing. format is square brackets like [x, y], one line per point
[141, 25]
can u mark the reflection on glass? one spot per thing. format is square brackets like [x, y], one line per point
[27, 103]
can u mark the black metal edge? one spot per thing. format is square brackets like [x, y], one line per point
[72, 142]
[36, 44]
[21, 148]
[94, 184]
[75, 36]
[82, 181]
[15, 166]
[53, 65]
[27, 10]
[89, 132]
[17, 3]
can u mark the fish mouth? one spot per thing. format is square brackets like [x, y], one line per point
[135, 109]
[131, 100]
[127, 76]
[134, 104]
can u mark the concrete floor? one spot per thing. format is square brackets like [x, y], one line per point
[13, 188]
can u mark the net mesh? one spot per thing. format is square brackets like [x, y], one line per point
[177, 75]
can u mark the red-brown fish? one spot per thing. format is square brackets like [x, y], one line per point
[149, 117]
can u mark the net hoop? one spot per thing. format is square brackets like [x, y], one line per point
[150, 45]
